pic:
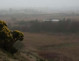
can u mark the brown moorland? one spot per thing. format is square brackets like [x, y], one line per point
[46, 44]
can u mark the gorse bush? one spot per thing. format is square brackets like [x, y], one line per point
[8, 37]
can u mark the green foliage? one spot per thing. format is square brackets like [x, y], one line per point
[8, 37]
[17, 35]
[3, 23]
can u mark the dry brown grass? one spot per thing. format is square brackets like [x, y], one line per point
[38, 39]
[65, 44]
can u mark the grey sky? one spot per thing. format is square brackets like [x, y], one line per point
[55, 4]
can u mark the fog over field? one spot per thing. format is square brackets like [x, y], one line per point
[44, 5]
[39, 30]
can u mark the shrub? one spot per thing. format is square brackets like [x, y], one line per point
[8, 37]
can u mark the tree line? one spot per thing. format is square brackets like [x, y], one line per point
[64, 26]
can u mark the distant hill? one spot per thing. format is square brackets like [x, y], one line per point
[23, 11]
[39, 11]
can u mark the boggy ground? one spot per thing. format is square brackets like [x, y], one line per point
[55, 46]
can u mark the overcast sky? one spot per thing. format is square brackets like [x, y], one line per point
[54, 4]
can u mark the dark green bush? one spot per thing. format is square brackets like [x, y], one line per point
[8, 37]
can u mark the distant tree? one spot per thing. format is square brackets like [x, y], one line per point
[8, 37]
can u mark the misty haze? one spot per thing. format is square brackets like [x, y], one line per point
[39, 30]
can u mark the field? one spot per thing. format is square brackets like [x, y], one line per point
[57, 47]
[51, 46]
[28, 17]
